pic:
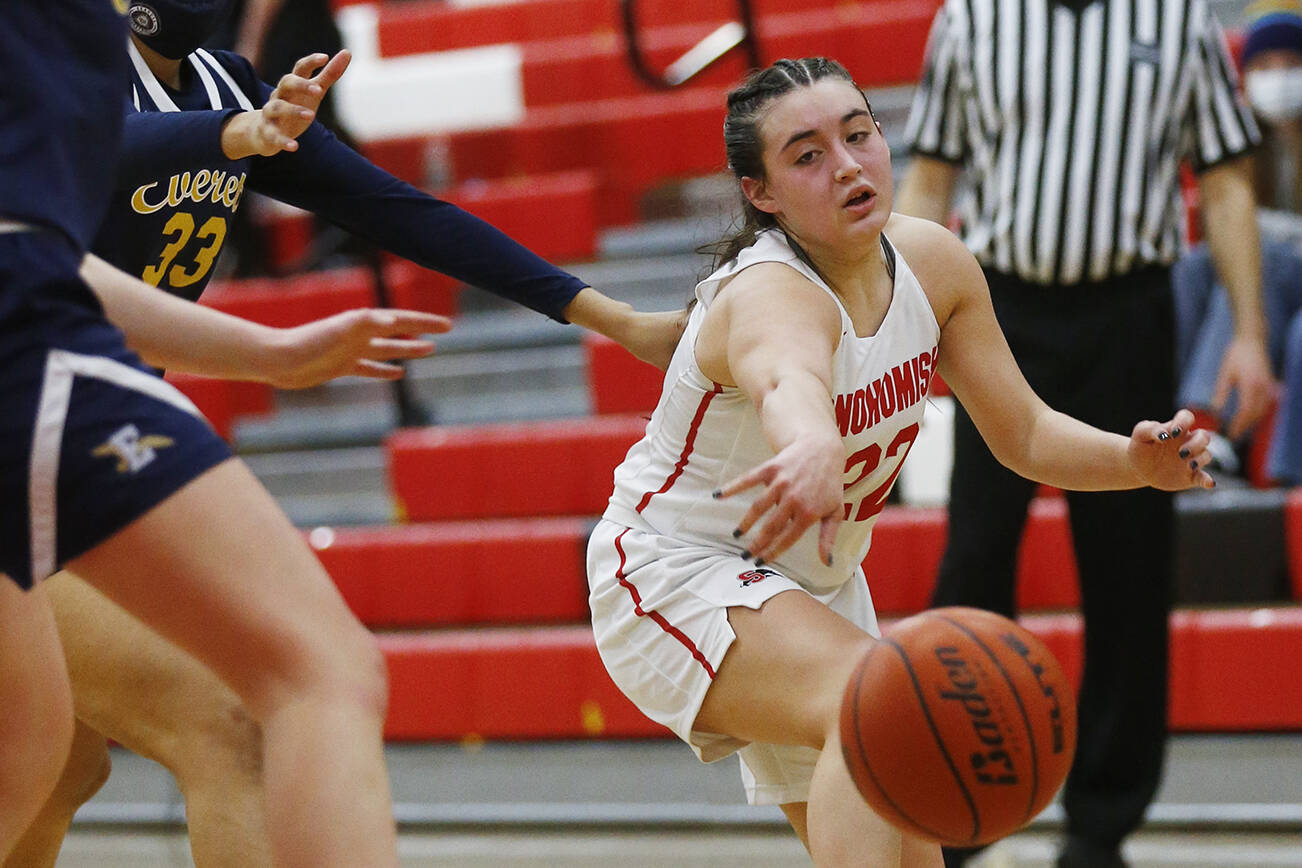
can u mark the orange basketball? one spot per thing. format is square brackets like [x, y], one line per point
[958, 726]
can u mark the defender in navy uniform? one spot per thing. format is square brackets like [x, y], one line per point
[193, 145]
[110, 471]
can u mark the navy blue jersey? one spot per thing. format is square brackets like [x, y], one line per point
[62, 65]
[176, 191]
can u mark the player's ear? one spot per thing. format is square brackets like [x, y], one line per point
[756, 192]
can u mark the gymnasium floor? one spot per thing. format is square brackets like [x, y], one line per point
[1227, 802]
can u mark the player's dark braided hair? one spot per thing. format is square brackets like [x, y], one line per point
[744, 149]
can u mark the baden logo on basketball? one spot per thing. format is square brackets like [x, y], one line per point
[992, 763]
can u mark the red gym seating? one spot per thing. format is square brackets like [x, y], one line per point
[511, 470]
[585, 109]
[532, 570]
[1234, 670]
[501, 571]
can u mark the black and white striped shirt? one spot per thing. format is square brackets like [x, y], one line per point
[1074, 123]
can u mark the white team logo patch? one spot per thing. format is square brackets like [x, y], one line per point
[144, 20]
[132, 451]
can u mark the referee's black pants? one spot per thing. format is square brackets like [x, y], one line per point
[1104, 353]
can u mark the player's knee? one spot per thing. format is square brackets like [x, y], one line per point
[833, 688]
[353, 672]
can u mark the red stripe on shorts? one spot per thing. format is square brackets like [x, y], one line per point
[687, 448]
[654, 615]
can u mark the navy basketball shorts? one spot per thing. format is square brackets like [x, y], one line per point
[90, 437]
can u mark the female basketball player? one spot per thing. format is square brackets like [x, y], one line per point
[727, 596]
[107, 469]
[191, 121]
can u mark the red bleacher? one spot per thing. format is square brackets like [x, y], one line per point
[585, 108]
[492, 572]
[558, 467]
[1230, 671]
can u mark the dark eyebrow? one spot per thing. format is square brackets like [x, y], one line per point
[845, 119]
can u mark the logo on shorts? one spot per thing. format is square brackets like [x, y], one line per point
[132, 451]
[758, 574]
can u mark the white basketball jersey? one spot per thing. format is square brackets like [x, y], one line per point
[703, 435]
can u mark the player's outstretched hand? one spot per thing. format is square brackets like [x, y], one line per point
[289, 110]
[802, 485]
[360, 343]
[1171, 455]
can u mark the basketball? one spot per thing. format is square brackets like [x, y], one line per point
[958, 726]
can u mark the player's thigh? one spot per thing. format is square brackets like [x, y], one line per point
[218, 569]
[130, 683]
[782, 678]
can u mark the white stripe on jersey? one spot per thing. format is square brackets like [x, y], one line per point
[240, 97]
[162, 101]
[61, 369]
[202, 61]
[214, 98]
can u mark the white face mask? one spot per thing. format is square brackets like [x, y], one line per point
[1276, 94]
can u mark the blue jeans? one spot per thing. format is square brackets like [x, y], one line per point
[1205, 325]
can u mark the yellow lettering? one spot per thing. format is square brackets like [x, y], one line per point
[138, 203]
[218, 180]
[197, 192]
[178, 189]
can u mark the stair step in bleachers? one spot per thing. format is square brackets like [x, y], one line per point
[501, 571]
[1293, 537]
[586, 110]
[560, 467]
[1231, 670]
[514, 570]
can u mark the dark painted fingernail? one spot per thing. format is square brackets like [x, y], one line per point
[745, 554]
[717, 493]
[1213, 482]
[1175, 432]
[759, 562]
[1162, 435]
[1184, 453]
[737, 531]
[1193, 465]
[829, 560]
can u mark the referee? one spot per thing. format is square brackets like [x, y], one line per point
[1070, 119]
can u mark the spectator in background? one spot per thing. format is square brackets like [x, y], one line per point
[1071, 118]
[1272, 64]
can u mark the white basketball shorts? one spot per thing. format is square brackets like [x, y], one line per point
[660, 619]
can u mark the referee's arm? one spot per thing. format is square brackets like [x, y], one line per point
[927, 189]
